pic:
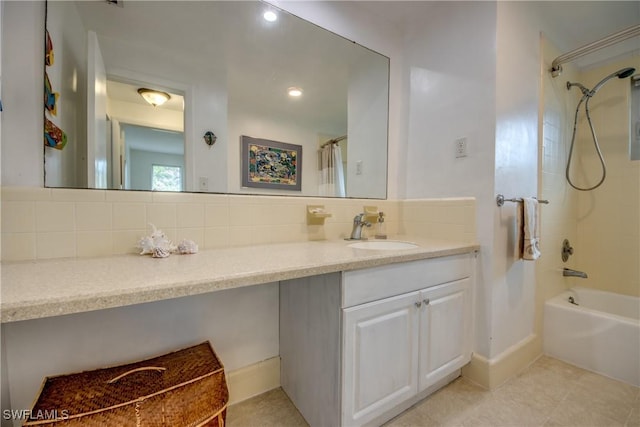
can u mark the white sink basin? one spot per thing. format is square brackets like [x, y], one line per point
[384, 245]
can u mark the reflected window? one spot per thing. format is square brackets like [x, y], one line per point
[166, 178]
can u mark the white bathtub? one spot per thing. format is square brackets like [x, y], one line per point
[601, 333]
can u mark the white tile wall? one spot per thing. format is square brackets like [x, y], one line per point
[602, 224]
[57, 223]
[608, 244]
[558, 218]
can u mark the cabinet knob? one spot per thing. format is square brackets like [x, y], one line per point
[418, 304]
[426, 301]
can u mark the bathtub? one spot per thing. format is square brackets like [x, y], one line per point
[600, 334]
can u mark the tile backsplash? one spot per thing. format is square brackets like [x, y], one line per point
[43, 223]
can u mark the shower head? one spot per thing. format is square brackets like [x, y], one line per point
[626, 72]
[621, 74]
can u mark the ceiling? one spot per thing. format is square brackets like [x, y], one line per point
[129, 93]
[569, 24]
[230, 42]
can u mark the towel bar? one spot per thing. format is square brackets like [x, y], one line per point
[500, 200]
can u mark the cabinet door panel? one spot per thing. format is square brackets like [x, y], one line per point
[445, 331]
[380, 357]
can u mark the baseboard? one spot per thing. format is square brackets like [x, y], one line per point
[261, 377]
[478, 370]
[253, 380]
[492, 373]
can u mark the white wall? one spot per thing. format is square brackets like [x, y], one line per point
[451, 88]
[22, 88]
[367, 122]
[516, 168]
[483, 84]
[103, 338]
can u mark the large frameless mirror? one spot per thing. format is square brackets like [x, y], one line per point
[212, 74]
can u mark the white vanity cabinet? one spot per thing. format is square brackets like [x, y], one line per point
[380, 356]
[445, 331]
[359, 347]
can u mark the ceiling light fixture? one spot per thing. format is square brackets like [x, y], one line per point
[294, 91]
[154, 97]
[270, 16]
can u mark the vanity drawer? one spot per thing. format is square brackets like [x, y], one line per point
[371, 284]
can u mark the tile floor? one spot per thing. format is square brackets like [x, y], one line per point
[549, 393]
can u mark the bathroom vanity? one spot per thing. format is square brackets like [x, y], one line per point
[363, 333]
[360, 346]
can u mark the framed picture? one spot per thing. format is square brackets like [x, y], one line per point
[271, 164]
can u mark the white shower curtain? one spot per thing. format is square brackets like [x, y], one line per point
[331, 173]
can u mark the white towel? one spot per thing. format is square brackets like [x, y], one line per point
[530, 229]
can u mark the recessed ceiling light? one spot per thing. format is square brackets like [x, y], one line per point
[294, 91]
[270, 16]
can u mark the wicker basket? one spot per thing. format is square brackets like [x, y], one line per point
[183, 388]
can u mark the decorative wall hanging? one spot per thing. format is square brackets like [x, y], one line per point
[271, 164]
[54, 136]
[50, 97]
[48, 50]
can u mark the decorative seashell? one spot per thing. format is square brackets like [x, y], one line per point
[187, 247]
[160, 253]
[146, 245]
[164, 243]
[156, 244]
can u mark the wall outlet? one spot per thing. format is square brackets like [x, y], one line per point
[359, 167]
[461, 147]
[203, 183]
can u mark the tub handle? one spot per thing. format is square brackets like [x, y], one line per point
[567, 250]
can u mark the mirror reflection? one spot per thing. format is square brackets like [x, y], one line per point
[225, 70]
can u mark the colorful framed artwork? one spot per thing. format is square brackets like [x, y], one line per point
[271, 164]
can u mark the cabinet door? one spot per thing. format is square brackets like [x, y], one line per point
[445, 330]
[380, 357]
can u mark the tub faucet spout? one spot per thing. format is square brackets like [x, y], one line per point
[573, 273]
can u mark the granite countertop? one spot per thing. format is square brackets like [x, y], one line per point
[37, 289]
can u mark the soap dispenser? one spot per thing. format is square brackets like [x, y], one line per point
[381, 230]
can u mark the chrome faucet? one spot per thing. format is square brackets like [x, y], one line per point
[358, 223]
[573, 273]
